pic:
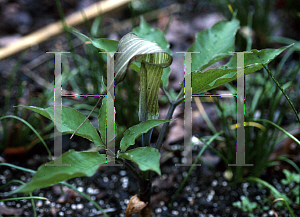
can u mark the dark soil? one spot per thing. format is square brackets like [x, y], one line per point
[206, 192]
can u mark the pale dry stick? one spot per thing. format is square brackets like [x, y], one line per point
[56, 28]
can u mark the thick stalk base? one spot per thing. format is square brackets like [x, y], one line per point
[145, 195]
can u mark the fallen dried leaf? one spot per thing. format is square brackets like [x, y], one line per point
[135, 205]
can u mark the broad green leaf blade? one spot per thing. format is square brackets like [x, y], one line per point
[219, 39]
[82, 164]
[102, 120]
[212, 78]
[145, 157]
[290, 177]
[104, 44]
[145, 31]
[71, 119]
[201, 80]
[215, 59]
[257, 56]
[132, 48]
[135, 131]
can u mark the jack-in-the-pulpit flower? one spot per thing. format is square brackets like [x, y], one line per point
[153, 59]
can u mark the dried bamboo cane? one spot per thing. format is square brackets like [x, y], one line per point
[56, 28]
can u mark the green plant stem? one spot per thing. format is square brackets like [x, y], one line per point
[133, 14]
[25, 198]
[7, 98]
[168, 24]
[146, 181]
[284, 131]
[33, 205]
[11, 181]
[166, 93]
[145, 186]
[20, 91]
[279, 86]
[164, 128]
[70, 44]
[292, 163]
[17, 167]
[249, 39]
[10, 81]
[146, 138]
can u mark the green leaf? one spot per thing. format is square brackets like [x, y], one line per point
[257, 56]
[214, 59]
[214, 44]
[41, 111]
[274, 191]
[135, 131]
[145, 157]
[212, 78]
[82, 164]
[135, 66]
[290, 177]
[146, 32]
[281, 129]
[96, 28]
[102, 120]
[71, 119]
[104, 44]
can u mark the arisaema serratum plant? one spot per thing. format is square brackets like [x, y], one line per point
[146, 51]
